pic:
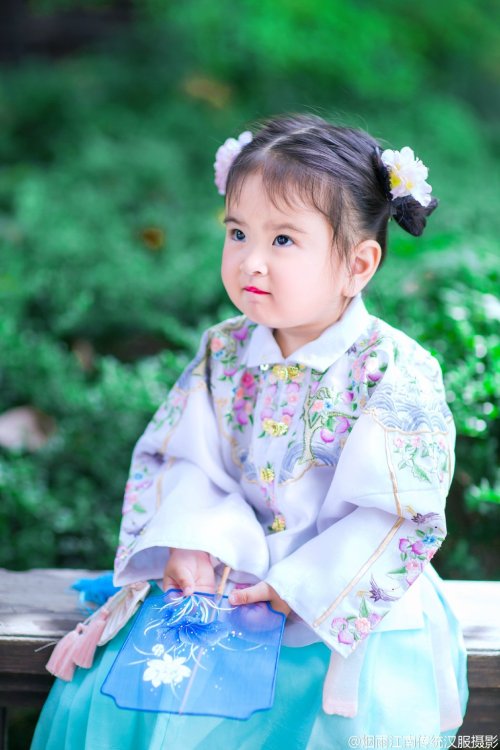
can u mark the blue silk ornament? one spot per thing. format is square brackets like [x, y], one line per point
[198, 655]
[95, 590]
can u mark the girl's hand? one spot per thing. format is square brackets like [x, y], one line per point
[261, 592]
[189, 570]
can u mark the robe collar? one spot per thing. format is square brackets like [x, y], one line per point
[319, 354]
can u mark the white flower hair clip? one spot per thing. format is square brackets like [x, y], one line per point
[225, 156]
[407, 175]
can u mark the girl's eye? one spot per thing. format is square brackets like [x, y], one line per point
[237, 235]
[282, 240]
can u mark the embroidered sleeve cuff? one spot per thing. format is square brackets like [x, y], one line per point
[345, 581]
[194, 514]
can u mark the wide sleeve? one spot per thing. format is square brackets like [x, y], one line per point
[179, 493]
[391, 482]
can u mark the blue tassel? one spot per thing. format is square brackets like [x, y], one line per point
[95, 590]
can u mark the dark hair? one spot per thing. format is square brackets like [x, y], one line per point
[336, 169]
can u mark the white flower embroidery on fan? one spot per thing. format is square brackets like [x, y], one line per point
[166, 671]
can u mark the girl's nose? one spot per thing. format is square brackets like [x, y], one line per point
[254, 262]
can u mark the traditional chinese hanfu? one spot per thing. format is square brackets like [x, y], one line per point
[324, 474]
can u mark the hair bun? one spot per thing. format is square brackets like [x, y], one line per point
[411, 215]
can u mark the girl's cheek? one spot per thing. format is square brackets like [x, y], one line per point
[225, 269]
[229, 259]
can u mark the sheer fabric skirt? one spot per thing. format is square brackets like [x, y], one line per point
[405, 691]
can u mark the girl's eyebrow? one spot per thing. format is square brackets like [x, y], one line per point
[232, 219]
[275, 227]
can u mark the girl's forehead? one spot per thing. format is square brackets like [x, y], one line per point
[252, 191]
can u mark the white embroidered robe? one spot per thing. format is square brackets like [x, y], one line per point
[324, 474]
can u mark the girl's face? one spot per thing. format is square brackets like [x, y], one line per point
[279, 269]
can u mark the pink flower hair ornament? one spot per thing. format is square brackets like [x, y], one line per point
[225, 156]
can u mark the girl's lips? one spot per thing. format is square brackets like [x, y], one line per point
[254, 290]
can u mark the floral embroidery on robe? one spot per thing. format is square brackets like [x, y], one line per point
[324, 474]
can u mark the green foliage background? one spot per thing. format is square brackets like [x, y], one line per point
[110, 232]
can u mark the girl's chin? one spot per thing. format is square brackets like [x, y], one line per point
[258, 310]
[259, 316]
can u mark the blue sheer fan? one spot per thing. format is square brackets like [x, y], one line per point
[198, 655]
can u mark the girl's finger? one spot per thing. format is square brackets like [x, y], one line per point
[258, 593]
[187, 587]
[184, 582]
[185, 579]
[169, 583]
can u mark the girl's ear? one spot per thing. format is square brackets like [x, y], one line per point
[365, 260]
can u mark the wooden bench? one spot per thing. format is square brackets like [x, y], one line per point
[37, 607]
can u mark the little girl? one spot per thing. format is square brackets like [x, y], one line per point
[309, 447]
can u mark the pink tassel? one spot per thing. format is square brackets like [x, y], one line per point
[86, 643]
[78, 647]
[61, 662]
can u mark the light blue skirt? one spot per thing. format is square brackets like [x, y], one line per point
[398, 698]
